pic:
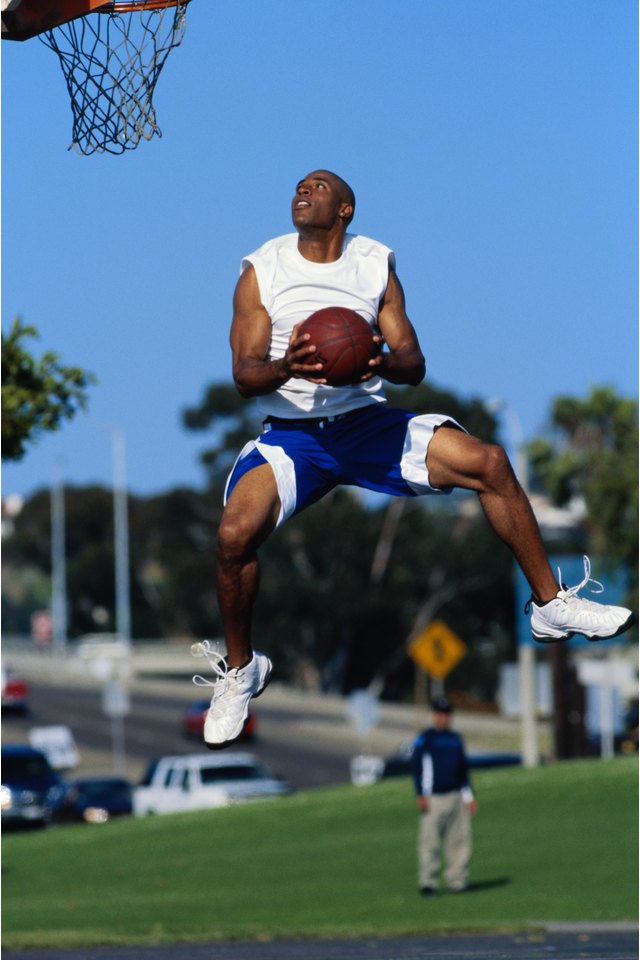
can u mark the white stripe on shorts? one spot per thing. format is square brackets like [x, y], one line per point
[284, 472]
[413, 467]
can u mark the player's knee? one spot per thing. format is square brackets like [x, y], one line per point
[239, 535]
[496, 469]
[234, 539]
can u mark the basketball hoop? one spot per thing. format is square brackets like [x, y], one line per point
[111, 56]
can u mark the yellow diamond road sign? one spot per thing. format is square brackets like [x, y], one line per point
[437, 649]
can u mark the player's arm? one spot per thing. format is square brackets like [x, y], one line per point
[403, 362]
[253, 373]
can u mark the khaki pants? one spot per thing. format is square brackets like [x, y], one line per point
[447, 827]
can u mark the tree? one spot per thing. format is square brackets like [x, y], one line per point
[592, 453]
[37, 395]
[172, 554]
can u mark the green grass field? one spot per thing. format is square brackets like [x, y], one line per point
[558, 843]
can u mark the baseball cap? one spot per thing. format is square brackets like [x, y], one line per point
[441, 705]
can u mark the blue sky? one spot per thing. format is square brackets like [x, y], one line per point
[491, 143]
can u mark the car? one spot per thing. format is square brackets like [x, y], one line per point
[193, 722]
[31, 791]
[15, 692]
[205, 781]
[96, 800]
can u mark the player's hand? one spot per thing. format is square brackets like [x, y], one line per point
[472, 807]
[423, 804]
[300, 347]
[376, 361]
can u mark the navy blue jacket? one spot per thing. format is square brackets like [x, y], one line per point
[439, 763]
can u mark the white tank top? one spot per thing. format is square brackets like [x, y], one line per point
[292, 288]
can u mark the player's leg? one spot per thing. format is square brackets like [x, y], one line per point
[251, 513]
[274, 477]
[280, 474]
[455, 459]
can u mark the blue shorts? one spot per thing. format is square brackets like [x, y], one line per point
[376, 447]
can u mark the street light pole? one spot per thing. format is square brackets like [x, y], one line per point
[58, 564]
[121, 534]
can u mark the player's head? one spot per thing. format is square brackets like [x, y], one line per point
[322, 199]
[442, 710]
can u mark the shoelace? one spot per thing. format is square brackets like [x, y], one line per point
[569, 592]
[217, 663]
[572, 591]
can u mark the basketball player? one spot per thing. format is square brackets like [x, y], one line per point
[316, 436]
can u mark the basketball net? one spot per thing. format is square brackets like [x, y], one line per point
[111, 60]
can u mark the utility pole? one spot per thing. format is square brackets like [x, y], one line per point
[120, 528]
[526, 652]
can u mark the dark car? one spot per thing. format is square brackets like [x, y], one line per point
[31, 790]
[97, 800]
[193, 722]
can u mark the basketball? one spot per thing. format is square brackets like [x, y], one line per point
[344, 344]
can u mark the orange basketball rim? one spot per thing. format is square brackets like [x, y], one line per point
[23, 19]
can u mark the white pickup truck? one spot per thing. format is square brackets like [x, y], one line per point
[199, 781]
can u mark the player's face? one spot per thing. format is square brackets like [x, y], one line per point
[318, 201]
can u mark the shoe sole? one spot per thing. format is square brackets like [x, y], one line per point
[254, 696]
[629, 622]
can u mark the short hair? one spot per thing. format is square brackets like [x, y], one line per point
[348, 195]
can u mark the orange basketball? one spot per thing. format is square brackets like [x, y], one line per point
[344, 344]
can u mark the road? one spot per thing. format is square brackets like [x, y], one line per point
[153, 728]
[303, 735]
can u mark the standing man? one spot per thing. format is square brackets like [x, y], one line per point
[316, 436]
[445, 801]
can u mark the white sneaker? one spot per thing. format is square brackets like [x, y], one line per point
[568, 614]
[233, 690]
